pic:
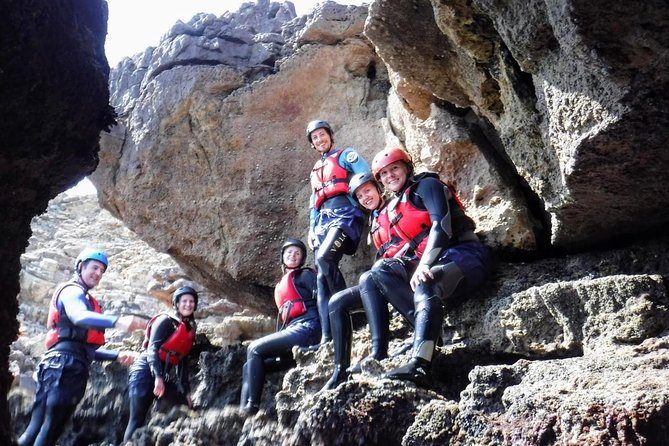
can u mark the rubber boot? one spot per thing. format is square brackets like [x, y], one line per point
[254, 379]
[342, 335]
[429, 317]
[417, 370]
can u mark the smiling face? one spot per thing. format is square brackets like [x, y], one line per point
[91, 272]
[292, 257]
[321, 140]
[368, 196]
[394, 176]
[186, 305]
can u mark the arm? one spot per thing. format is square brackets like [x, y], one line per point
[353, 162]
[313, 215]
[161, 331]
[74, 303]
[433, 196]
[103, 354]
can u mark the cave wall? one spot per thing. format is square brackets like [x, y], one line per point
[53, 79]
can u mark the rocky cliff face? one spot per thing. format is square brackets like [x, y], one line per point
[50, 52]
[549, 118]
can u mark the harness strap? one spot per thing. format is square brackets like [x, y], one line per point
[330, 182]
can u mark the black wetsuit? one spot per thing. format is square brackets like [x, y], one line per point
[274, 351]
[141, 377]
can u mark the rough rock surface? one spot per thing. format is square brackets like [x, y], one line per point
[549, 117]
[49, 53]
[575, 94]
[238, 175]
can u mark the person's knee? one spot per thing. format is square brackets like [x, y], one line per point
[366, 278]
[385, 269]
[253, 351]
[324, 262]
[337, 302]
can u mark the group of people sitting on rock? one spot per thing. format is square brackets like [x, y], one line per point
[428, 257]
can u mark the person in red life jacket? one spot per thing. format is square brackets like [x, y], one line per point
[295, 298]
[449, 262]
[169, 338]
[335, 220]
[366, 190]
[76, 334]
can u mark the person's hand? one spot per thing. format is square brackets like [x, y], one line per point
[130, 323]
[311, 239]
[422, 274]
[158, 387]
[126, 357]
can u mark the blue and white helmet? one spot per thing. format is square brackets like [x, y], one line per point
[90, 254]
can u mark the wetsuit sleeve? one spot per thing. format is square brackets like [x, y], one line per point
[431, 194]
[161, 331]
[103, 354]
[74, 301]
[353, 162]
[313, 214]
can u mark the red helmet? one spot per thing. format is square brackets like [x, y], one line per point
[388, 156]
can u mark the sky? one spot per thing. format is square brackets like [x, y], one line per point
[135, 25]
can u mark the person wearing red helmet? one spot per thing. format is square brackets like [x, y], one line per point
[367, 191]
[295, 298]
[74, 340]
[168, 341]
[448, 259]
[335, 219]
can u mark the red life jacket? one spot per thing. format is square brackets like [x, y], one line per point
[60, 327]
[287, 298]
[177, 346]
[413, 224]
[385, 238]
[328, 178]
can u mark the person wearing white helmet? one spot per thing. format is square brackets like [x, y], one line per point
[75, 338]
[162, 371]
[335, 219]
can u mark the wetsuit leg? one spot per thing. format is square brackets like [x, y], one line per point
[340, 307]
[330, 279]
[391, 277]
[378, 318]
[428, 299]
[270, 346]
[36, 420]
[55, 418]
[62, 381]
[139, 407]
